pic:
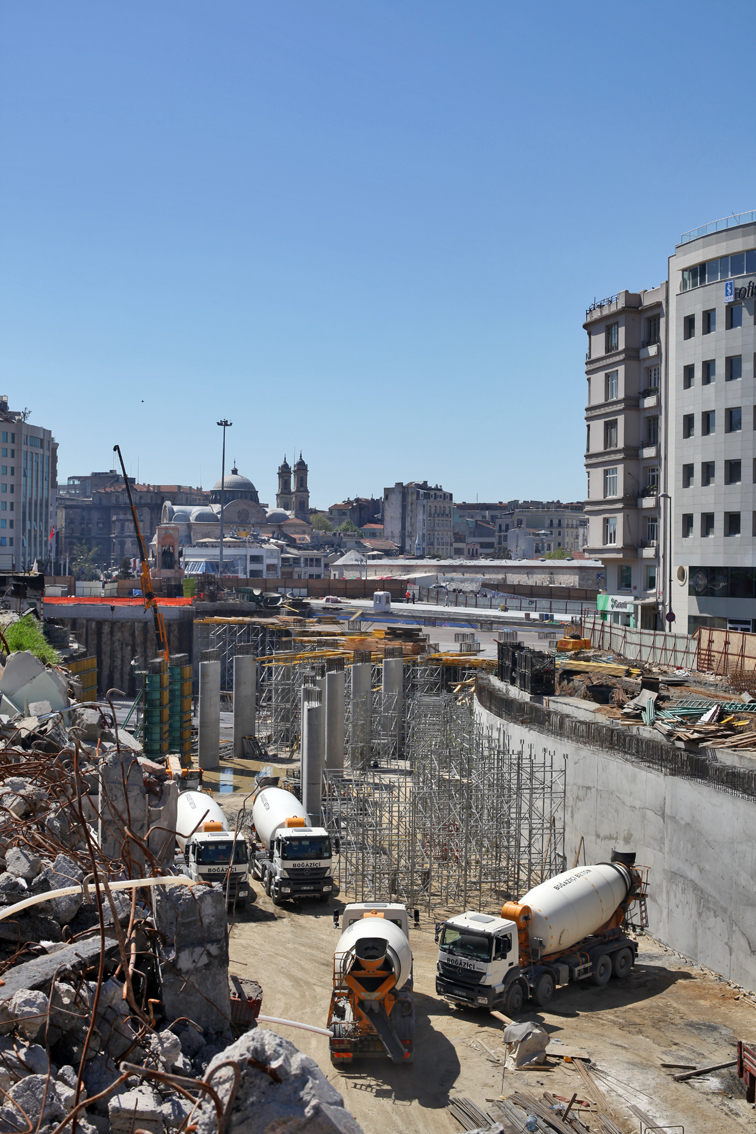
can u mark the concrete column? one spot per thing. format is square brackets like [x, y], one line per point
[393, 706]
[194, 957]
[312, 752]
[245, 696]
[334, 714]
[122, 804]
[209, 712]
[362, 704]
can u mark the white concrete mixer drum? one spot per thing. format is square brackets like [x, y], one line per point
[573, 905]
[372, 938]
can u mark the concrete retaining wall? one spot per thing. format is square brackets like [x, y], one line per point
[697, 840]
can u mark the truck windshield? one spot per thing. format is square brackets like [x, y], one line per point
[462, 943]
[219, 854]
[306, 848]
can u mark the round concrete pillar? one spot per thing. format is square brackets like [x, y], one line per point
[245, 697]
[334, 720]
[312, 752]
[209, 714]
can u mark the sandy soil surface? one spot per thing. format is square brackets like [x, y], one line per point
[666, 1011]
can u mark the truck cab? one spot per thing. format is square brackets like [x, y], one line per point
[297, 865]
[478, 961]
[215, 856]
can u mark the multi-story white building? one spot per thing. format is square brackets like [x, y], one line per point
[670, 453]
[712, 340]
[417, 517]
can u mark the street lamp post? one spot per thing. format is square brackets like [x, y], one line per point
[667, 583]
[224, 425]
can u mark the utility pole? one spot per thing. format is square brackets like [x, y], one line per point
[224, 425]
[666, 567]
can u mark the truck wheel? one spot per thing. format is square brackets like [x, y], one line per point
[622, 962]
[513, 1000]
[544, 989]
[603, 970]
[267, 883]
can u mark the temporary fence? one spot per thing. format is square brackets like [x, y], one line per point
[726, 651]
[652, 647]
[441, 596]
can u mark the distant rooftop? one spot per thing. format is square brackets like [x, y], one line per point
[732, 221]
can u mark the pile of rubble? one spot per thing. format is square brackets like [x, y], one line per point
[115, 1007]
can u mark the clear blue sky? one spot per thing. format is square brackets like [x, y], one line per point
[369, 230]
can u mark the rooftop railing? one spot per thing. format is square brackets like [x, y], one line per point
[732, 221]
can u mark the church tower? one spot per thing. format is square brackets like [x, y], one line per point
[283, 496]
[301, 491]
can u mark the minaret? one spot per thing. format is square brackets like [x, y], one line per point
[301, 491]
[283, 496]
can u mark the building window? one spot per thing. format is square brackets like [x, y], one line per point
[610, 482]
[734, 315]
[652, 430]
[625, 577]
[610, 530]
[652, 530]
[709, 322]
[588, 438]
[733, 420]
[707, 473]
[588, 489]
[707, 524]
[708, 372]
[689, 326]
[689, 425]
[688, 475]
[733, 368]
[652, 330]
[708, 423]
[611, 385]
[732, 523]
[651, 577]
[588, 353]
[732, 472]
[610, 434]
[652, 378]
[689, 374]
[611, 338]
[687, 525]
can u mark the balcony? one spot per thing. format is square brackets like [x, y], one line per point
[649, 350]
[649, 452]
[648, 548]
[648, 502]
[649, 400]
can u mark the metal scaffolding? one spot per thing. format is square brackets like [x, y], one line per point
[463, 821]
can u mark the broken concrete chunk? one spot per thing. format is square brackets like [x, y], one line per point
[22, 863]
[88, 722]
[39, 708]
[13, 885]
[21, 667]
[99, 1074]
[29, 1010]
[175, 1111]
[302, 1098]
[138, 1109]
[194, 959]
[167, 1047]
[42, 1100]
[64, 872]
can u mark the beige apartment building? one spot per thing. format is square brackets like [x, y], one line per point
[625, 448]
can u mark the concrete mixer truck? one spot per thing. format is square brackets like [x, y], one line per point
[372, 1010]
[571, 927]
[291, 859]
[211, 852]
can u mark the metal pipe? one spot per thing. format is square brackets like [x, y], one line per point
[296, 1024]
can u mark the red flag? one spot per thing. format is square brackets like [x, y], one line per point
[52, 533]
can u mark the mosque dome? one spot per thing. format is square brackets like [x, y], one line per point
[204, 515]
[235, 487]
[277, 516]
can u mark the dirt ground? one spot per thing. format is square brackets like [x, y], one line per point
[666, 1011]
